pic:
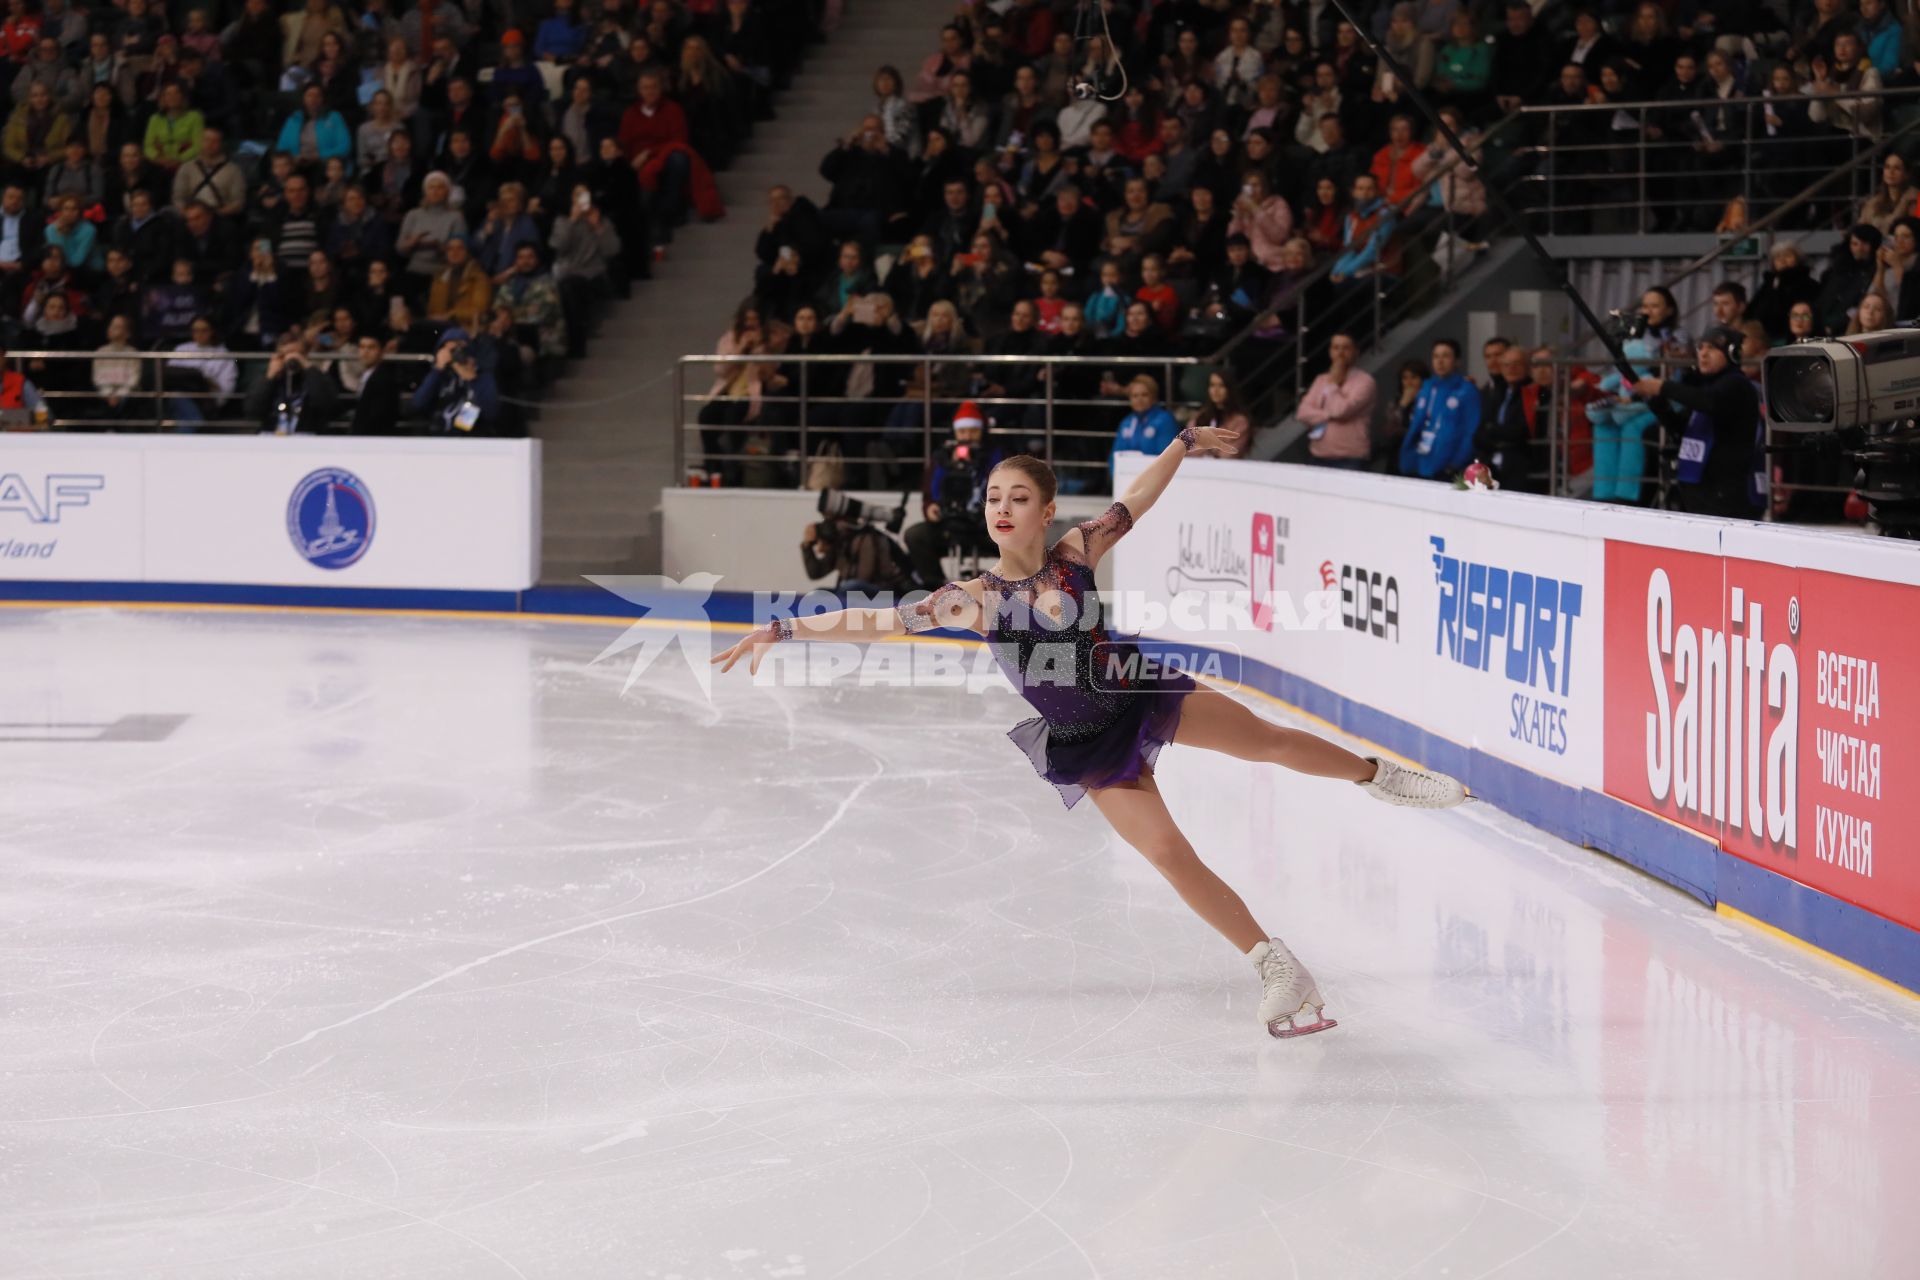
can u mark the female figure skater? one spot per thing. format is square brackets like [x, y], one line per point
[1101, 724]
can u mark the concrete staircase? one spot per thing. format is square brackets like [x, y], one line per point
[607, 427]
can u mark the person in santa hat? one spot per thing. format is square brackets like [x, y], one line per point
[955, 497]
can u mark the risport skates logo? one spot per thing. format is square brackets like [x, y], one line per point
[1515, 624]
[330, 518]
[42, 501]
[1369, 599]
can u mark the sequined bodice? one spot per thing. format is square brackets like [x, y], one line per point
[1048, 633]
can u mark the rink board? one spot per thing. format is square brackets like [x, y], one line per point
[1507, 639]
[335, 513]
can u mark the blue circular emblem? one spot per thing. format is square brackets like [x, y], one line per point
[330, 518]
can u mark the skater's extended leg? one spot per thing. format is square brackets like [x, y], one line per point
[1140, 816]
[1212, 720]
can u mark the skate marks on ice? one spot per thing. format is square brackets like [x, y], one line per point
[418, 950]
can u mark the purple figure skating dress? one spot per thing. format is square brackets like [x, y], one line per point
[1104, 714]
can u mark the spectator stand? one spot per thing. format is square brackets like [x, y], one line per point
[270, 168]
[1651, 167]
[1278, 330]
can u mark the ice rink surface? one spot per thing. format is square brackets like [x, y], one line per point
[360, 946]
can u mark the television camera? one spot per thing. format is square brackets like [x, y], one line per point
[1857, 399]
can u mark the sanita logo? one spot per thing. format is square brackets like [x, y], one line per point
[1723, 738]
[1519, 624]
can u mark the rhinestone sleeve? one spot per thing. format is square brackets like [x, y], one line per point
[1188, 437]
[1102, 532]
[951, 607]
[782, 628]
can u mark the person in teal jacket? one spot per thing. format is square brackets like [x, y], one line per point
[314, 135]
[1440, 431]
[1149, 428]
[1881, 35]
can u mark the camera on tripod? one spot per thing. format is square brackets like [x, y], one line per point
[841, 507]
[1857, 398]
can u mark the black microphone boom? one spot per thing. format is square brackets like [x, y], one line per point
[1498, 200]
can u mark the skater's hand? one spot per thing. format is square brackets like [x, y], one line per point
[1214, 440]
[755, 642]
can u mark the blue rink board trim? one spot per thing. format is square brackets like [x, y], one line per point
[1690, 862]
[580, 601]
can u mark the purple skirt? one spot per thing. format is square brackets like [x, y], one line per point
[1119, 753]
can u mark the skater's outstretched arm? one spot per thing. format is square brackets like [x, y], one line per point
[1098, 536]
[955, 606]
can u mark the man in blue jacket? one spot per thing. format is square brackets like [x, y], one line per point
[1439, 439]
[1149, 429]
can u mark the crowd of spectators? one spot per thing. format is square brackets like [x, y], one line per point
[339, 181]
[1257, 164]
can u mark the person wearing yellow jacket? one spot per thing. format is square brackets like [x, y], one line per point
[461, 293]
[36, 132]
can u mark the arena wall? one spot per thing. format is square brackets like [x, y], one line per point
[1725, 705]
[293, 512]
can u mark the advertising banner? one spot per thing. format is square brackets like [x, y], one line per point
[1403, 596]
[70, 512]
[1772, 708]
[271, 511]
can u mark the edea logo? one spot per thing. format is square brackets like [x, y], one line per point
[1516, 624]
[1369, 599]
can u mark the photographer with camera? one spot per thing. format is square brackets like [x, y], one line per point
[956, 498]
[857, 543]
[1716, 453]
[457, 397]
[296, 396]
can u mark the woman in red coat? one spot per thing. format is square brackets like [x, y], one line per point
[653, 133]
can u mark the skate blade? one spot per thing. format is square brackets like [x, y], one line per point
[1286, 1029]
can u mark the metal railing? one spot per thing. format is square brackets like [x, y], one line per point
[1582, 179]
[1572, 455]
[75, 403]
[1049, 418]
[1271, 374]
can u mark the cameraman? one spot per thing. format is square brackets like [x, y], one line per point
[1716, 453]
[295, 396]
[457, 398]
[864, 558]
[956, 498]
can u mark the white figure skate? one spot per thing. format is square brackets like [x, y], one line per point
[1292, 1005]
[1415, 788]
